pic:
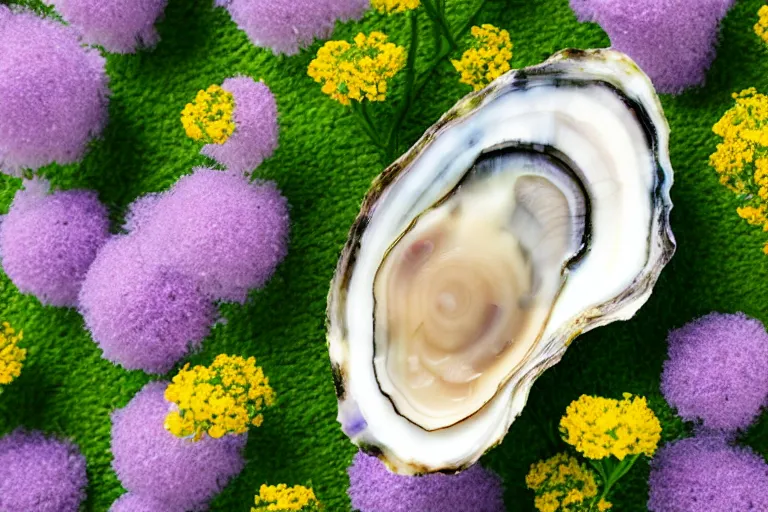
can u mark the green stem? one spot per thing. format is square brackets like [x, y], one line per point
[616, 473]
[410, 79]
[434, 12]
[360, 112]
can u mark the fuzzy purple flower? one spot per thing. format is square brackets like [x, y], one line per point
[152, 462]
[256, 128]
[707, 475]
[40, 474]
[218, 228]
[119, 26]
[142, 315]
[47, 242]
[286, 26]
[374, 489]
[673, 41]
[717, 370]
[53, 90]
[131, 502]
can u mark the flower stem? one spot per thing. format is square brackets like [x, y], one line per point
[360, 111]
[614, 472]
[408, 97]
[436, 13]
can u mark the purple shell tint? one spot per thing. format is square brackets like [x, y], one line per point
[142, 315]
[673, 41]
[217, 228]
[717, 371]
[130, 502]
[286, 26]
[40, 474]
[118, 25]
[256, 128]
[47, 242]
[373, 488]
[54, 92]
[707, 475]
[153, 463]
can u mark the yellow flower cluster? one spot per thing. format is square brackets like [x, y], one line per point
[761, 27]
[487, 59]
[209, 117]
[11, 356]
[741, 159]
[281, 498]
[562, 484]
[357, 72]
[395, 6]
[225, 397]
[600, 427]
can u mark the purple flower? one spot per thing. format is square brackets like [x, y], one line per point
[218, 228]
[717, 370]
[141, 314]
[707, 475]
[131, 502]
[54, 92]
[256, 128]
[40, 474]
[117, 25]
[286, 26]
[151, 462]
[374, 489]
[47, 242]
[673, 41]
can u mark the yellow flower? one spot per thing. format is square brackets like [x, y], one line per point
[358, 71]
[761, 27]
[600, 427]
[487, 59]
[603, 505]
[224, 398]
[394, 6]
[281, 498]
[209, 117]
[11, 356]
[561, 484]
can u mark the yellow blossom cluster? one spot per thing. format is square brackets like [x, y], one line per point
[562, 484]
[11, 356]
[359, 71]
[225, 397]
[741, 159]
[487, 59]
[209, 117]
[761, 27]
[281, 498]
[600, 427]
[395, 6]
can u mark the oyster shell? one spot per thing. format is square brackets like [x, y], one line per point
[534, 210]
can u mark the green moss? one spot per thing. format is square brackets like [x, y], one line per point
[324, 166]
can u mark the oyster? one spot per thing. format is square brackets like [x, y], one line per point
[534, 210]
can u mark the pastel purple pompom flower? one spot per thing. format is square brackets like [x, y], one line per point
[132, 502]
[48, 241]
[717, 371]
[53, 90]
[705, 474]
[373, 488]
[142, 315]
[152, 462]
[286, 26]
[118, 25]
[40, 474]
[256, 128]
[673, 41]
[218, 228]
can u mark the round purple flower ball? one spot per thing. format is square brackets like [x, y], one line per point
[47, 242]
[705, 474]
[717, 371]
[119, 26]
[131, 502]
[153, 463]
[40, 474]
[373, 488]
[286, 26]
[142, 315]
[218, 228]
[256, 128]
[673, 41]
[54, 92]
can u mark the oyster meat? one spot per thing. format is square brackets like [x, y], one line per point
[534, 210]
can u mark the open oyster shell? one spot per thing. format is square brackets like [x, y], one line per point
[534, 210]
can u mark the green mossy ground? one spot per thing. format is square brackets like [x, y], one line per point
[324, 166]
